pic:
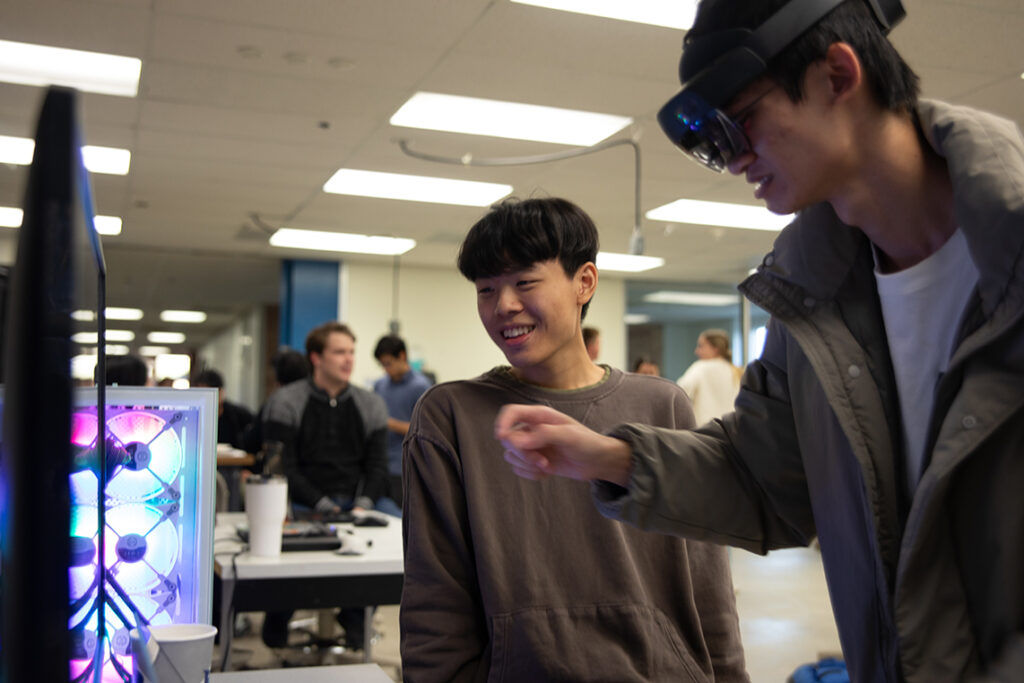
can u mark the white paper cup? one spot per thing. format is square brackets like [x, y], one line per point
[266, 504]
[181, 653]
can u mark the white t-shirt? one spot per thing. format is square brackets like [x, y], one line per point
[712, 385]
[922, 307]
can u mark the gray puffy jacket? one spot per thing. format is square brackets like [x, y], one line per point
[924, 590]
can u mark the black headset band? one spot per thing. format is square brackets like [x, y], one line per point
[760, 45]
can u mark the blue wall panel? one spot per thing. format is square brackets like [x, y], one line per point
[309, 296]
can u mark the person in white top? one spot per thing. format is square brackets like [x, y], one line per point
[712, 382]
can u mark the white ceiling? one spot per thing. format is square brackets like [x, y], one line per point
[247, 106]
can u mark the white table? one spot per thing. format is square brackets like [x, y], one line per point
[352, 673]
[307, 579]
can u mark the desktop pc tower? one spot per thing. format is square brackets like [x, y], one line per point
[160, 457]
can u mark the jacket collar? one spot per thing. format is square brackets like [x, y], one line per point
[321, 394]
[985, 156]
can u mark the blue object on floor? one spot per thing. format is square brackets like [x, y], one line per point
[828, 670]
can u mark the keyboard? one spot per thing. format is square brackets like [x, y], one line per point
[302, 535]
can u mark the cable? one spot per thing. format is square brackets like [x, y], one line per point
[229, 598]
[636, 240]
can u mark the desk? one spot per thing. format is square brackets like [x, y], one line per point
[353, 673]
[230, 462]
[228, 456]
[305, 580]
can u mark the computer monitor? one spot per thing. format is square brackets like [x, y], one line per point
[59, 269]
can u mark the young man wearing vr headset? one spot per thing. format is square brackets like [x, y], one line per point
[886, 414]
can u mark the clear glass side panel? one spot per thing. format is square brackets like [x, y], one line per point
[153, 509]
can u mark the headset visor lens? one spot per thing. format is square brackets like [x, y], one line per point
[704, 132]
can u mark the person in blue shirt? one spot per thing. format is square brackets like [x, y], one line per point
[400, 388]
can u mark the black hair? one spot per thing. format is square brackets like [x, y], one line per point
[389, 345]
[209, 378]
[289, 366]
[516, 234]
[126, 371]
[893, 83]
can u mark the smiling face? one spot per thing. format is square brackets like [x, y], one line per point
[533, 315]
[796, 148]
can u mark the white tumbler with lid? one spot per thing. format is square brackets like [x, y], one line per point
[266, 506]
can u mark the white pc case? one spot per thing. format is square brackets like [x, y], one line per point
[159, 516]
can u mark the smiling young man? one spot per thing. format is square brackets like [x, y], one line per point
[886, 413]
[507, 580]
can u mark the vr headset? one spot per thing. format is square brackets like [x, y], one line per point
[694, 120]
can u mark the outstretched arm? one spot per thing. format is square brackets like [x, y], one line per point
[540, 441]
[738, 481]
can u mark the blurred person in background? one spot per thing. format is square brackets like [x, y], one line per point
[712, 382]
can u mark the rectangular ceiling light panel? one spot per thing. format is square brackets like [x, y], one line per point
[17, 151]
[474, 116]
[11, 217]
[41, 65]
[177, 316]
[109, 160]
[116, 313]
[627, 263]
[166, 337]
[107, 225]
[692, 298]
[341, 241]
[415, 188]
[721, 214]
[677, 14]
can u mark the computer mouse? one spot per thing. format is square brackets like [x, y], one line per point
[370, 518]
[351, 544]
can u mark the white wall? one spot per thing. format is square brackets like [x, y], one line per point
[8, 246]
[439, 323]
[237, 353]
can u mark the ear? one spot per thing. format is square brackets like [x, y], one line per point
[843, 70]
[585, 282]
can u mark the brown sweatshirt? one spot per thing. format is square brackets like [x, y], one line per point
[515, 580]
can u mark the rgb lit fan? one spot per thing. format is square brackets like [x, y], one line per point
[83, 645]
[142, 549]
[143, 457]
[120, 618]
[142, 546]
[152, 456]
[83, 565]
[83, 437]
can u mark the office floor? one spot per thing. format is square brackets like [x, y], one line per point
[784, 616]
